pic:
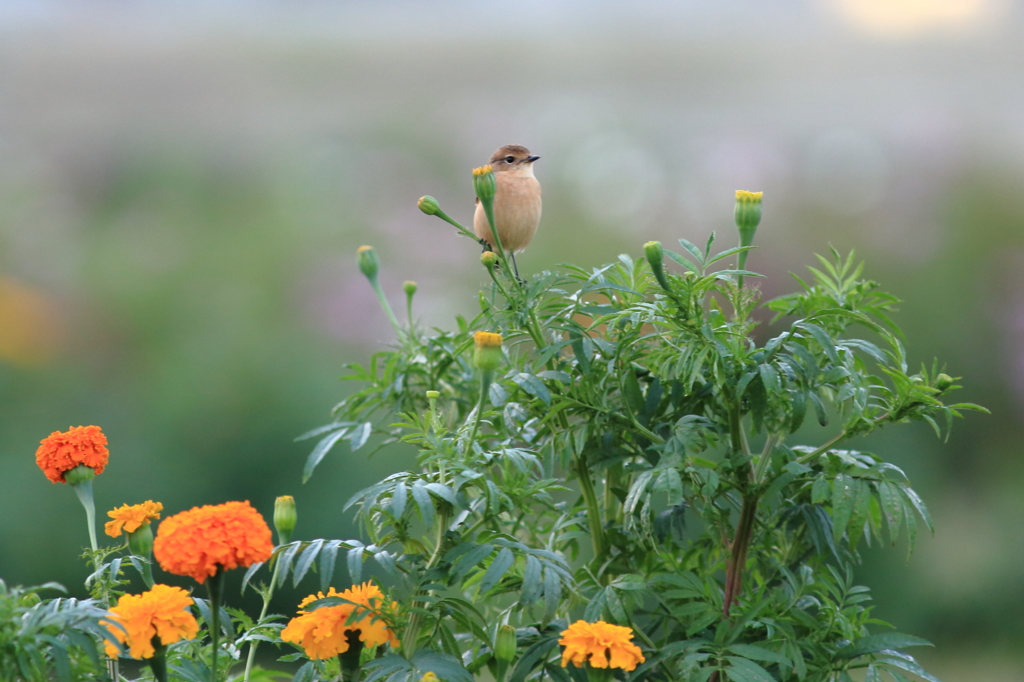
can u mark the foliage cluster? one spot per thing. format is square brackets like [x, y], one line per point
[648, 452]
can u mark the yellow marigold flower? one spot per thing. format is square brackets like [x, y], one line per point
[161, 612]
[62, 451]
[131, 517]
[202, 540]
[483, 170]
[323, 633]
[601, 644]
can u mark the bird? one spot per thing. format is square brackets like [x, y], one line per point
[516, 202]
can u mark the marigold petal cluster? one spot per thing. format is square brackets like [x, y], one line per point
[600, 644]
[62, 451]
[131, 517]
[202, 540]
[161, 612]
[323, 632]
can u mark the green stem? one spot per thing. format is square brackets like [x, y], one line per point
[263, 614]
[448, 219]
[593, 508]
[158, 662]
[836, 440]
[84, 491]
[215, 589]
[147, 573]
[486, 376]
[411, 636]
[387, 307]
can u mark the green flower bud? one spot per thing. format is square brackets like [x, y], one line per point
[655, 257]
[285, 517]
[80, 474]
[369, 263]
[506, 644]
[429, 205]
[484, 182]
[487, 353]
[141, 541]
[747, 214]
[943, 382]
[488, 259]
[433, 395]
[410, 287]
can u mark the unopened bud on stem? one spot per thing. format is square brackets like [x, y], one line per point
[488, 259]
[655, 257]
[285, 518]
[429, 205]
[369, 262]
[748, 215]
[505, 646]
[487, 352]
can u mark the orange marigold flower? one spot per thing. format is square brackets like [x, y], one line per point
[62, 451]
[323, 632]
[161, 612]
[601, 644]
[131, 517]
[204, 539]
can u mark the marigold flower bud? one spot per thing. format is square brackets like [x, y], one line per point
[140, 541]
[429, 205]
[655, 257]
[433, 395]
[747, 214]
[484, 182]
[943, 382]
[506, 644]
[369, 262]
[429, 676]
[487, 354]
[488, 259]
[284, 518]
[410, 287]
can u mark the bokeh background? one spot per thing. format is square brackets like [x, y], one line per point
[183, 187]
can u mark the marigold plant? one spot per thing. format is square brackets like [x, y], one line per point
[203, 540]
[159, 615]
[62, 451]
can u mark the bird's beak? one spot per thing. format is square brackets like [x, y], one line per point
[531, 159]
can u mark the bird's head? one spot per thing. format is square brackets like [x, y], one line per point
[513, 157]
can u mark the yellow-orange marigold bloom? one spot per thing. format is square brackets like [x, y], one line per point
[131, 517]
[203, 539]
[161, 612]
[62, 451]
[601, 644]
[323, 632]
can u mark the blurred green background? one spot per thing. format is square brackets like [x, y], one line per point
[182, 191]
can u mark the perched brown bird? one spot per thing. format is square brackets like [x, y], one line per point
[516, 201]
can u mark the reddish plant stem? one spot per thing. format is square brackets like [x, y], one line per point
[738, 559]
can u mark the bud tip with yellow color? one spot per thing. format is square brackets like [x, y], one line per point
[285, 518]
[487, 353]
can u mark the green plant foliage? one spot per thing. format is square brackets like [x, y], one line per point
[44, 639]
[642, 460]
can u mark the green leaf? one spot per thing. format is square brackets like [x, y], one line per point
[497, 569]
[328, 555]
[423, 501]
[355, 564]
[875, 643]
[910, 666]
[497, 394]
[844, 492]
[398, 498]
[305, 561]
[533, 385]
[532, 585]
[360, 435]
[745, 670]
[770, 377]
[821, 491]
[892, 508]
[552, 592]
[321, 449]
[531, 657]
[758, 653]
[445, 666]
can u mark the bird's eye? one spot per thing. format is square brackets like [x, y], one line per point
[510, 159]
